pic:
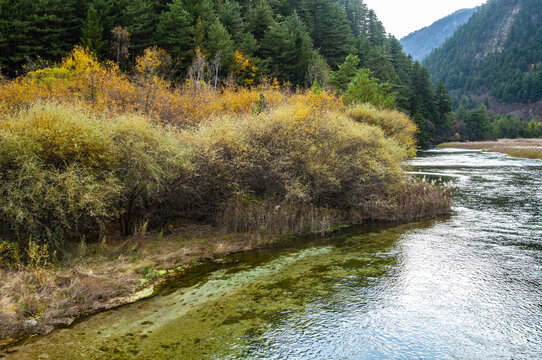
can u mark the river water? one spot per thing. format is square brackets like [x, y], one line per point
[464, 287]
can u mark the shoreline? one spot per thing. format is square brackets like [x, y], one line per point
[101, 276]
[155, 263]
[519, 148]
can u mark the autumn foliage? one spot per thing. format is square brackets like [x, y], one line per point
[86, 149]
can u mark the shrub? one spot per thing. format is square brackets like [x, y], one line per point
[65, 173]
[394, 124]
[293, 153]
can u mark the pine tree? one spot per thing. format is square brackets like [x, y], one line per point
[142, 23]
[288, 49]
[346, 72]
[231, 17]
[364, 88]
[260, 18]
[176, 33]
[220, 43]
[92, 37]
[380, 64]
[16, 39]
[331, 32]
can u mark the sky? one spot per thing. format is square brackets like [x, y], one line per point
[401, 17]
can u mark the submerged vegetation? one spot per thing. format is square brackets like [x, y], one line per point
[88, 152]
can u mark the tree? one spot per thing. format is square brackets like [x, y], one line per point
[341, 78]
[120, 40]
[176, 33]
[288, 49]
[260, 18]
[220, 43]
[331, 32]
[380, 64]
[443, 104]
[92, 37]
[231, 17]
[477, 123]
[366, 89]
[142, 22]
[16, 39]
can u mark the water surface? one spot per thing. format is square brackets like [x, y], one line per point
[465, 287]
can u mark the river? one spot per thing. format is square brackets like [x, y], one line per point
[464, 287]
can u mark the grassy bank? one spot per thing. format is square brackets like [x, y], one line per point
[520, 148]
[42, 295]
[88, 154]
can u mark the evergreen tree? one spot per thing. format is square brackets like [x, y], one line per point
[220, 43]
[231, 17]
[344, 75]
[380, 64]
[142, 22]
[364, 88]
[260, 18]
[442, 101]
[288, 49]
[16, 36]
[92, 37]
[330, 31]
[478, 123]
[176, 33]
[199, 33]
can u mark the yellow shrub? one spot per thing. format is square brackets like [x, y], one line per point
[394, 124]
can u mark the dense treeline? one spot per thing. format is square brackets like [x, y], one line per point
[499, 51]
[296, 42]
[477, 124]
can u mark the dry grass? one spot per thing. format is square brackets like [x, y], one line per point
[96, 277]
[520, 148]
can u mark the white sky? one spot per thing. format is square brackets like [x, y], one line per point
[401, 17]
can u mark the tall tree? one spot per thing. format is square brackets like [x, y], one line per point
[330, 31]
[176, 33]
[220, 43]
[230, 14]
[92, 37]
[260, 18]
[142, 22]
[288, 49]
[16, 38]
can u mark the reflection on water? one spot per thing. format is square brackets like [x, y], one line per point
[467, 287]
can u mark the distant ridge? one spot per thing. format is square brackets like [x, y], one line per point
[421, 42]
[496, 57]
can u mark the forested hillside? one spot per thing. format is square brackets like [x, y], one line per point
[497, 54]
[421, 42]
[247, 42]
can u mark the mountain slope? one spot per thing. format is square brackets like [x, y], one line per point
[421, 42]
[497, 55]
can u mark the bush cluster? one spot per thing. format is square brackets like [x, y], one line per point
[65, 173]
[85, 148]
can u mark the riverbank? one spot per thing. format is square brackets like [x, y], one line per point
[520, 148]
[91, 278]
[87, 172]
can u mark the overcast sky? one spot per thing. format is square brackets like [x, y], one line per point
[401, 17]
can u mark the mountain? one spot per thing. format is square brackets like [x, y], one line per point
[496, 57]
[421, 42]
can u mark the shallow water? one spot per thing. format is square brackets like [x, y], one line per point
[465, 287]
